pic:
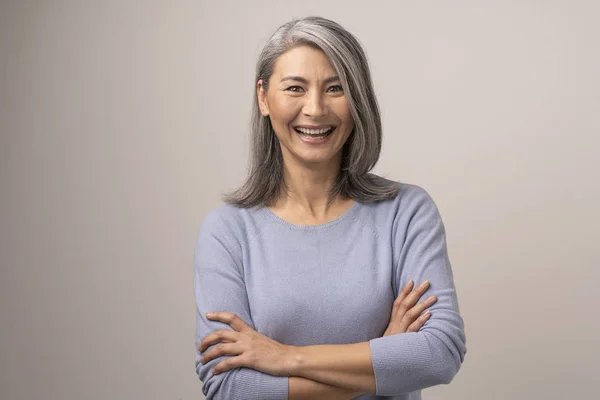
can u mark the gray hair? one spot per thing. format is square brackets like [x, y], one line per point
[361, 151]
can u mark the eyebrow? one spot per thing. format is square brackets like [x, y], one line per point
[305, 81]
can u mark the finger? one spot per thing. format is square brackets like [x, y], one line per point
[411, 315]
[413, 297]
[221, 335]
[226, 365]
[418, 324]
[230, 319]
[419, 308]
[403, 293]
[228, 349]
[422, 288]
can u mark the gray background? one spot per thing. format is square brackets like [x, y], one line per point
[122, 121]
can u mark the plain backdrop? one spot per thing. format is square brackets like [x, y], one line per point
[122, 122]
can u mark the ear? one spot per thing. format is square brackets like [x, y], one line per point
[261, 94]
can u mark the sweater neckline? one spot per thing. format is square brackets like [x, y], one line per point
[270, 215]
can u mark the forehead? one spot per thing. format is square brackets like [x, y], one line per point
[304, 61]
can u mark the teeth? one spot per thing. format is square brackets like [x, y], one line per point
[314, 131]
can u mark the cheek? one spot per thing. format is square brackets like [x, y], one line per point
[284, 109]
[345, 115]
[343, 111]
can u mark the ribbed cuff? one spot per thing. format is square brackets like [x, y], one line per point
[400, 362]
[250, 384]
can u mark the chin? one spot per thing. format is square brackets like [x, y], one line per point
[315, 159]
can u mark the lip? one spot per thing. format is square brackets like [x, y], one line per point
[314, 126]
[315, 141]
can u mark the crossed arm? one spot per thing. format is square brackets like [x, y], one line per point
[319, 371]
[306, 389]
[326, 371]
[390, 365]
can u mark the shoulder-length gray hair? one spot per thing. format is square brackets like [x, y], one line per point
[360, 153]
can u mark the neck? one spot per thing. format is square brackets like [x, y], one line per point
[308, 187]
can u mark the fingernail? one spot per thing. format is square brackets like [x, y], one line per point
[427, 313]
[210, 314]
[431, 298]
[424, 284]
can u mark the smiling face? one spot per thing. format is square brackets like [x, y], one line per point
[308, 109]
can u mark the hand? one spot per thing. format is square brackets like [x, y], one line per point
[406, 317]
[252, 349]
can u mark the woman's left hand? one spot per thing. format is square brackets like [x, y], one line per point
[253, 350]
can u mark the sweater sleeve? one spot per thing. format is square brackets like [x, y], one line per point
[413, 361]
[219, 286]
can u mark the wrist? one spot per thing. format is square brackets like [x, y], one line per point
[296, 358]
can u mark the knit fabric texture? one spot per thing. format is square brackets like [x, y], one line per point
[332, 283]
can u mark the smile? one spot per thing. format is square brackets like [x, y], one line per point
[320, 132]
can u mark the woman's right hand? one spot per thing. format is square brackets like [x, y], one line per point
[406, 316]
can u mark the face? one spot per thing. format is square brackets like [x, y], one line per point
[307, 107]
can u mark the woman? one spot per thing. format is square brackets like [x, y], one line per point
[308, 270]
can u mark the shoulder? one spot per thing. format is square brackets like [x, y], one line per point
[232, 223]
[410, 205]
[223, 217]
[220, 232]
[409, 199]
[414, 197]
[416, 213]
[414, 205]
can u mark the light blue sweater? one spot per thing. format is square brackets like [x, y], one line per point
[332, 283]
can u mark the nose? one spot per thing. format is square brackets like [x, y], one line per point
[315, 105]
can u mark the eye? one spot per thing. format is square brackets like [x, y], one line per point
[336, 88]
[295, 89]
